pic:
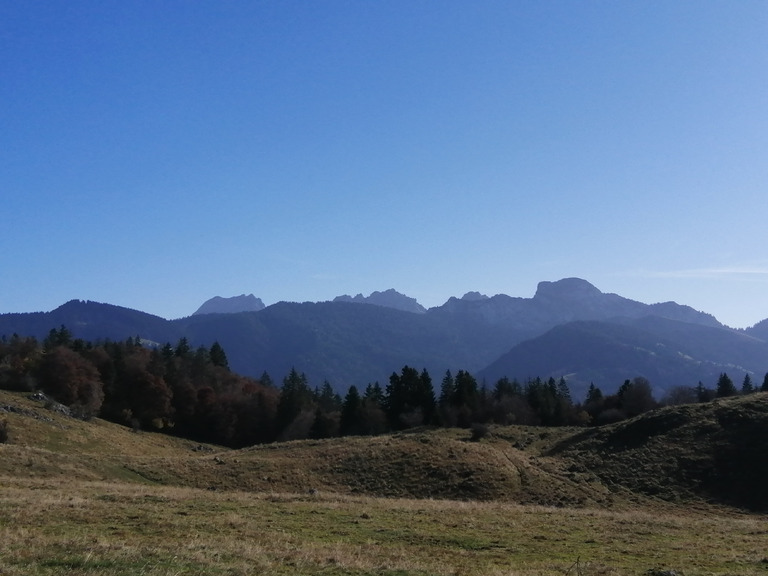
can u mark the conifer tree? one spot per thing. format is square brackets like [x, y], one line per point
[351, 412]
[725, 386]
[447, 389]
[218, 356]
[746, 386]
[295, 396]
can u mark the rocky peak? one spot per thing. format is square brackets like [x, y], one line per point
[389, 299]
[233, 305]
[566, 289]
[474, 296]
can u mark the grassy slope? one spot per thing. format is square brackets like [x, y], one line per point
[716, 451]
[96, 498]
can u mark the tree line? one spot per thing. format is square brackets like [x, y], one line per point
[192, 392]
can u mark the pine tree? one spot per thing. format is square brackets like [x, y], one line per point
[447, 389]
[266, 380]
[725, 386]
[218, 356]
[764, 387]
[295, 396]
[374, 394]
[182, 348]
[746, 386]
[351, 411]
[424, 397]
[326, 398]
[594, 394]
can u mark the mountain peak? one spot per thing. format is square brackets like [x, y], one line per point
[567, 288]
[233, 305]
[389, 299]
[474, 296]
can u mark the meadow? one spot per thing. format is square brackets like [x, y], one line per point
[97, 499]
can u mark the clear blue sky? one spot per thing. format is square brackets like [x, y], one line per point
[156, 154]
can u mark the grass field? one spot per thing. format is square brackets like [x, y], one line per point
[97, 499]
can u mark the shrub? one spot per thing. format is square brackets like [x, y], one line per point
[479, 431]
[3, 431]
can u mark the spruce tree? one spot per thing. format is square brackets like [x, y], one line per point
[725, 386]
[447, 389]
[218, 356]
[746, 386]
[351, 411]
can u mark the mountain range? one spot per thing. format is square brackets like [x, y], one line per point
[569, 328]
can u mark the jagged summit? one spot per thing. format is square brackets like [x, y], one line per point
[474, 296]
[233, 305]
[389, 299]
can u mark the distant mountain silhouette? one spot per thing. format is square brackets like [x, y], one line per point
[569, 328]
[233, 305]
[667, 352]
[474, 296]
[389, 299]
[90, 321]
[759, 330]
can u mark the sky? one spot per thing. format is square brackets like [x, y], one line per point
[156, 154]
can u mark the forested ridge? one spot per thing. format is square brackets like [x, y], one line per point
[193, 393]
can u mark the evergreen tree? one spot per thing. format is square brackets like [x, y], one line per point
[447, 389]
[327, 399]
[424, 397]
[374, 395]
[295, 397]
[218, 356]
[594, 394]
[351, 413]
[60, 337]
[504, 388]
[266, 380]
[746, 385]
[764, 387]
[700, 392]
[182, 348]
[725, 386]
[465, 394]
[409, 399]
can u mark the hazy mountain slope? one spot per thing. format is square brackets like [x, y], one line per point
[727, 348]
[666, 352]
[759, 330]
[342, 342]
[347, 344]
[90, 321]
[556, 303]
[602, 353]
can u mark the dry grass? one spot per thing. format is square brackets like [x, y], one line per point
[118, 528]
[97, 499]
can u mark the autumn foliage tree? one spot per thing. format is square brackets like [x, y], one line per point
[72, 380]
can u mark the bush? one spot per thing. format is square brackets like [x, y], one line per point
[479, 431]
[3, 431]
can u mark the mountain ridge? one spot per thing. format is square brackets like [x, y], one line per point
[345, 343]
